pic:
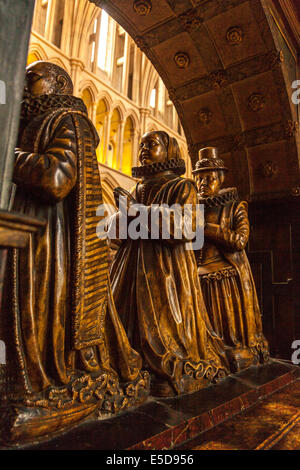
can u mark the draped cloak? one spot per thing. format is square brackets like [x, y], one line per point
[158, 296]
[57, 295]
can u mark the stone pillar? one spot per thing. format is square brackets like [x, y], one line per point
[77, 66]
[50, 19]
[16, 17]
[144, 113]
[120, 145]
[94, 113]
[135, 147]
[106, 134]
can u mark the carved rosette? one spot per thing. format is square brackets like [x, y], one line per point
[256, 102]
[269, 169]
[191, 21]
[291, 128]
[141, 43]
[142, 7]
[218, 79]
[182, 60]
[204, 116]
[235, 35]
[295, 191]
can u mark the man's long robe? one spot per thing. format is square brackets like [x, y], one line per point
[58, 299]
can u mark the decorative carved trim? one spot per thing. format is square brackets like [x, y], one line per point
[142, 44]
[269, 169]
[173, 96]
[235, 35]
[182, 60]
[142, 7]
[291, 128]
[256, 102]
[275, 58]
[191, 21]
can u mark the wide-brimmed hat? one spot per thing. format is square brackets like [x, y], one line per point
[209, 160]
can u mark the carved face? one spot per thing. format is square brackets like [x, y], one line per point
[40, 81]
[152, 149]
[209, 182]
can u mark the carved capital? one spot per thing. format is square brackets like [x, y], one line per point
[142, 7]
[256, 102]
[235, 35]
[182, 60]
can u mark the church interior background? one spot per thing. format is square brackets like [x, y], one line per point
[209, 73]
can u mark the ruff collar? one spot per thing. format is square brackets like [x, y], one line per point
[176, 165]
[34, 106]
[223, 197]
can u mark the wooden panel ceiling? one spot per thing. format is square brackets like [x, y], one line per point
[229, 78]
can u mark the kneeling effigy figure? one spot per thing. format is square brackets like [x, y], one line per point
[224, 271]
[155, 283]
[67, 352]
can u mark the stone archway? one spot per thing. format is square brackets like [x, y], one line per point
[228, 70]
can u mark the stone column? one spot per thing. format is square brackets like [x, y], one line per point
[144, 113]
[135, 149]
[94, 113]
[16, 18]
[77, 66]
[120, 145]
[106, 134]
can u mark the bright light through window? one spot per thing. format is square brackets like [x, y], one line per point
[103, 41]
[93, 52]
[153, 98]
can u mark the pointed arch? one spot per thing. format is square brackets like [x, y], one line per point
[89, 85]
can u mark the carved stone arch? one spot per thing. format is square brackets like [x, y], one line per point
[121, 108]
[38, 50]
[222, 63]
[91, 87]
[103, 95]
[131, 113]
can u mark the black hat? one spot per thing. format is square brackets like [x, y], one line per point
[208, 160]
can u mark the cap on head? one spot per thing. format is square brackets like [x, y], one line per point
[209, 160]
[62, 82]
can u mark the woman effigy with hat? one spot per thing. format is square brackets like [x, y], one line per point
[156, 286]
[224, 271]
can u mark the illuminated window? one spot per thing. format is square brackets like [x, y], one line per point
[101, 60]
[40, 16]
[93, 41]
[153, 98]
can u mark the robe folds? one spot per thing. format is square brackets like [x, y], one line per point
[158, 296]
[227, 281]
[58, 298]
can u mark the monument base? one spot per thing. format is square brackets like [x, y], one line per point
[167, 423]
